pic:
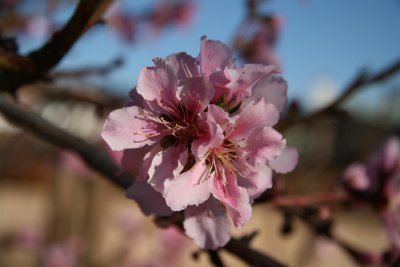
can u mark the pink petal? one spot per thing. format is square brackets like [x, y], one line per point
[183, 65]
[236, 198]
[241, 80]
[210, 135]
[167, 163]
[253, 115]
[158, 85]
[146, 163]
[220, 81]
[207, 225]
[286, 161]
[125, 127]
[196, 94]
[149, 200]
[265, 144]
[356, 176]
[271, 88]
[257, 181]
[214, 56]
[391, 154]
[221, 117]
[188, 188]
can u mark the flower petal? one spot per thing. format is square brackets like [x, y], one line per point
[391, 154]
[235, 197]
[210, 135]
[158, 85]
[273, 89]
[150, 201]
[221, 117]
[188, 188]
[265, 144]
[207, 225]
[167, 163]
[214, 56]
[129, 128]
[286, 161]
[257, 181]
[196, 94]
[356, 177]
[183, 65]
[253, 115]
[237, 83]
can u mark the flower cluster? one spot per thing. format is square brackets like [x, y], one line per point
[198, 135]
[378, 182]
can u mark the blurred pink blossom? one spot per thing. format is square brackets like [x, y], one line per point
[380, 179]
[256, 40]
[65, 254]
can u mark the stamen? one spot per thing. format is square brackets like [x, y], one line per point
[186, 69]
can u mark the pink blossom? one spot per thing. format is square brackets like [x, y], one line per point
[256, 40]
[356, 176]
[63, 254]
[232, 166]
[124, 24]
[240, 85]
[199, 138]
[380, 179]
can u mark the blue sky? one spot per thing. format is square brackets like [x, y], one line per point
[333, 39]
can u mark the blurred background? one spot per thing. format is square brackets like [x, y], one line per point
[56, 212]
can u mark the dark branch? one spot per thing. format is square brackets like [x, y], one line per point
[361, 81]
[96, 158]
[16, 70]
[251, 256]
[215, 258]
[87, 13]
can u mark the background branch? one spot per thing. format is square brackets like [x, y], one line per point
[96, 158]
[215, 258]
[18, 70]
[251, 256]
[362, 80]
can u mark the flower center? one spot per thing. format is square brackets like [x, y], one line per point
[221, 160]
[174, 128]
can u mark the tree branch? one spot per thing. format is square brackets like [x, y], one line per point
[251, 256]
[87, 13]
[96, 158]
[361, 81]
[320, 198]
[215, 258]
[18, 70]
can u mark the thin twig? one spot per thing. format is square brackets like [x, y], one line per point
[96, 158]
[361, 81]
[310, 199]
